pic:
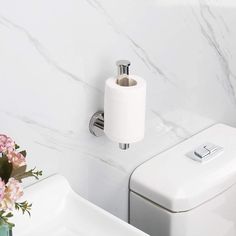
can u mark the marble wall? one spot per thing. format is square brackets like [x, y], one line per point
[55, 56]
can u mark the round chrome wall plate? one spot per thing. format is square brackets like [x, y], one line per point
[96, 124]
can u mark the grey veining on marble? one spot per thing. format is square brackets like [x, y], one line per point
[179, 131]
[139, 51]
[54, 62]
[208, 32]
[43, 52]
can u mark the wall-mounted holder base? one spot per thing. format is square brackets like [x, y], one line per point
[96, 124]
[96, 127]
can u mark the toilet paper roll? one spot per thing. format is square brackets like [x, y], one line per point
[124, 109]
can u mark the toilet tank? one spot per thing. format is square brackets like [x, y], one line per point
[190, 189]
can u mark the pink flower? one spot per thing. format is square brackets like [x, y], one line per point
[6, 144]
[2, 189]
[12, 193]
[17, 159]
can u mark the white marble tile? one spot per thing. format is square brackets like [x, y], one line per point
[56, 55]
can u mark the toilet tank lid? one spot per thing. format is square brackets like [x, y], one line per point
[178, 183]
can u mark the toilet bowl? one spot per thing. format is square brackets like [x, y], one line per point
[190, 189]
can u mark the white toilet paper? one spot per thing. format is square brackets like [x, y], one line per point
[124, 110]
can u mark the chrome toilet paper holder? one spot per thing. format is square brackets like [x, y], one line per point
[96, 124]
[96, 127]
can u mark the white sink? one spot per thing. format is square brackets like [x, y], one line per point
[58, 211]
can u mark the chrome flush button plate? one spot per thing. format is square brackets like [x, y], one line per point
[205, 152]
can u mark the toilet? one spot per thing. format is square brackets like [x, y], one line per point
[190, 189]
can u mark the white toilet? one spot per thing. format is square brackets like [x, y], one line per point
[190, 189]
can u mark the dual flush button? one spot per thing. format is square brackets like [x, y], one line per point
[205, 152]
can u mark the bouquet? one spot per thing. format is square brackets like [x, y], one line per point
[13, 170]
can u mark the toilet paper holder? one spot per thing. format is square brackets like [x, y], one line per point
[97, 121]
[96, 127]
[96, 124]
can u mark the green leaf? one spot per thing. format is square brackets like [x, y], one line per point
[24, 207]
[4, 217]
[5, 168]
[8, 215]
[24, 153]
[18, 172]
[29, 173]
[17, 146]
